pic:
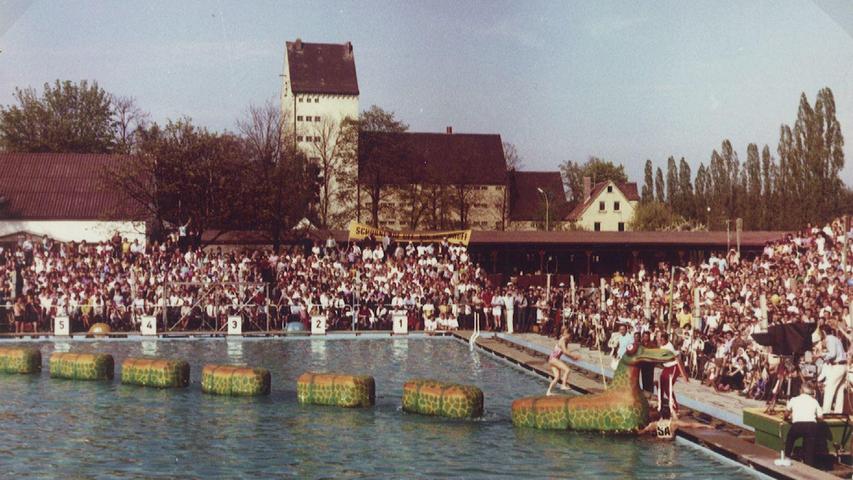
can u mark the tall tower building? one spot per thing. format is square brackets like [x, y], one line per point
[320, 90]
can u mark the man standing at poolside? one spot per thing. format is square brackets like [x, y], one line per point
[833, 372]
[670, 373]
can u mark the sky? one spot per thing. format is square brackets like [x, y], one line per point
[562, 80]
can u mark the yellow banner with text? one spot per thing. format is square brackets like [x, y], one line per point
[360, 231]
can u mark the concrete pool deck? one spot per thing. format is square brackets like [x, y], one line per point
[731, 441]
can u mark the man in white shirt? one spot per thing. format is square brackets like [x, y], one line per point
[833, 372]
[804, 412]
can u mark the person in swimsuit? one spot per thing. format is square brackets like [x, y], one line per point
[665, 427]
[559, 367]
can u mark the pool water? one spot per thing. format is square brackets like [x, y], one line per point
[55, 428]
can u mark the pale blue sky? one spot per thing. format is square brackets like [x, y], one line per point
[562, 80]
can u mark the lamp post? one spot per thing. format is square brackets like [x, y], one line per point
[547, 209]
[708, 226]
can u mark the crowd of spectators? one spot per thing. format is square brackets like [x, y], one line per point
[710, 309]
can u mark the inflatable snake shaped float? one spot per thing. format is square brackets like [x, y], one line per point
[622, 407]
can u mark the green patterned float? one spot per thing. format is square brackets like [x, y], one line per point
[155, 372]
[431, 397]
[234, 380]
[336, 390]
[20, 360]
[620, 408]
[82, 366]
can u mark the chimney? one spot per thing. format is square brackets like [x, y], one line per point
[348, 50]
[587, 188]
[449, 130]
[298, 45]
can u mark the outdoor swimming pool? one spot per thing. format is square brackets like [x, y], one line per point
[59, 428]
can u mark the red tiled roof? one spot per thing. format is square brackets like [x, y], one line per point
[62, 186]
[629, 189]
[526, 203]
[475, 159]
[322, 68]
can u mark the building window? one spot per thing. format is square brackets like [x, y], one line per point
[299, 138]
[316, 100]
[300, 99]
[597, 226]
[616, 206]
[316, 139]
[621, 226]
[299, 118]
[316, 119]
[610, 189]
[601, 206]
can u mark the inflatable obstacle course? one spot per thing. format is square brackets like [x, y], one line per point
[336, 390]
[20, 360]
[234, 380]
[550, 412]
[82, 366]
[155, 372]
[431, 397]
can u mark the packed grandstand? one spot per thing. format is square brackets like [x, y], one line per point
[712, 309]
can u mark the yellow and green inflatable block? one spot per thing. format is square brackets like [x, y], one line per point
[20, 360]
[155, 372]
[336, 390]
[431, 397]
[234, 380]
[82, 366]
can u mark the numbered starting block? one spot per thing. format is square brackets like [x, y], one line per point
[400, 322]
[61, 326]
[148, 325]
[318, 325]
[235, 325]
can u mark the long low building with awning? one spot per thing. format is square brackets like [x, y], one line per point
[584, 254]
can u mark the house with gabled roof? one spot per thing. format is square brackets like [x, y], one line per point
[64, 196]
[607, 207]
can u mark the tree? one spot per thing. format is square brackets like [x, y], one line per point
[281, 182]
[769, 174]
[655, 216]
[378, 161]
[67, 117]
[673, 197]
[129, 119]
[660, 194]
[513, 159]
[599, 170]
[685, 188]
[702, 189]
[752, 210]
[182, 174]
[327, 147]
[648, 183]
[376, 119]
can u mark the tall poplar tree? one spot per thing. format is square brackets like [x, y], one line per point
[685, 188]
[672, 194]
[648, 193]
[660, 194]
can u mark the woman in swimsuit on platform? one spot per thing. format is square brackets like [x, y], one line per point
[558, 366]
